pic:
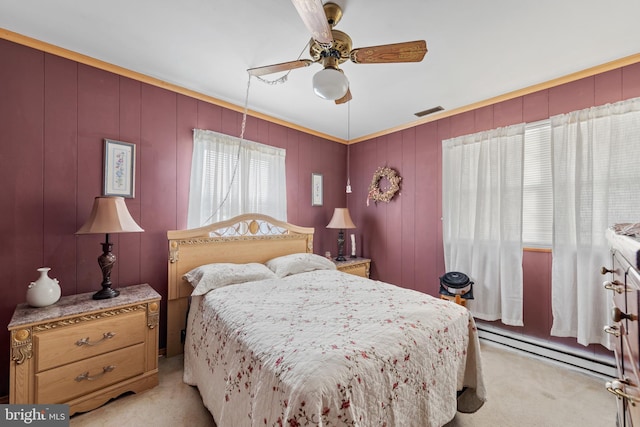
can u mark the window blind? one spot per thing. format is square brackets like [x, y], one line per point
[537, 191]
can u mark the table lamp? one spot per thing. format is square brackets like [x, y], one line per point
[109, 215]
[341, 220]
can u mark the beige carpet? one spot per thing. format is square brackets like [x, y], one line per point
[523, 392]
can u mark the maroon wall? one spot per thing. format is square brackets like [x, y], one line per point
[404, 237]
[54, 115]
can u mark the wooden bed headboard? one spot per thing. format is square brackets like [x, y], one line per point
[245, 238]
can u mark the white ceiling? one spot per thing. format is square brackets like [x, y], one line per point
[477, 49]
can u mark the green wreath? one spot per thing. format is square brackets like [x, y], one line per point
[375, 193]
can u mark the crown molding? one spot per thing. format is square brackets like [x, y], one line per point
[87, 60]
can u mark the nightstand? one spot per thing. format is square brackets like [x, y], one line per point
[84, 352]
[358, 266]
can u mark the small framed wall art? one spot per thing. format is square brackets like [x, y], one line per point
[119, 169]
[316, 189]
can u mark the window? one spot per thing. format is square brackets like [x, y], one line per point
[596, 178]
[482, 217]
[580, 176]
[231, 176]
[537, 194]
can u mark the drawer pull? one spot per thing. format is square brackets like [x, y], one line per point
[613, 330]
[86, 376]
[605, 270]
[616, 387]
[86, 341]
[617, 315]
[615, 286]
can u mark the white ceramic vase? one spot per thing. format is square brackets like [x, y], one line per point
[44, 291]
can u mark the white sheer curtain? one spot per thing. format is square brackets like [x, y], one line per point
[230, 176]
[482, 214]
[596, 183]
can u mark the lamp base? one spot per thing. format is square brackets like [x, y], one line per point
[106, 293]
[106, 261]
[340, 256]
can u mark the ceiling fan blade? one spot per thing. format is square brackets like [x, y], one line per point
[284, 66]
[389, 53]
[345, 98]
[314, 18]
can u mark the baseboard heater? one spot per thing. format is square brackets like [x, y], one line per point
[572, 358]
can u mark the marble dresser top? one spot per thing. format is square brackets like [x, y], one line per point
[73, 305]
[628, 246]
[350, 261]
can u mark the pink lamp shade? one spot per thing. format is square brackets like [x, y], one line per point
[341, 220]
[108, 215]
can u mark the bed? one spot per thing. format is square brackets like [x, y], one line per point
[289, 340]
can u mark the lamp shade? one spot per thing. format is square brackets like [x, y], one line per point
[330, 84]
[341, 219]
[109, 215]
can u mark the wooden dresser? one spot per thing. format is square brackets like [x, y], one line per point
[84, 352]
[357, 266]
[624, 282]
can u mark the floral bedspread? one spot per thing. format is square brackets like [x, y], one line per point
[327, 348]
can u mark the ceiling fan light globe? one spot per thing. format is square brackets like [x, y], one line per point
[330, 84]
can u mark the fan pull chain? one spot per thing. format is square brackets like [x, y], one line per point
[349, 147]
[280, 80]
[235, 167]
[284, 78]
[244, 113]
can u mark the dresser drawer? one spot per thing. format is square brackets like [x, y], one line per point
[64, 383]
[85, 352]
[356, 266]
[630, 343]
[69, 344]
[357, 270]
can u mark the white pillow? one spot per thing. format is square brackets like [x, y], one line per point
[212, 276]
[299, 263]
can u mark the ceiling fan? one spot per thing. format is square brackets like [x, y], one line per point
[330, 48]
